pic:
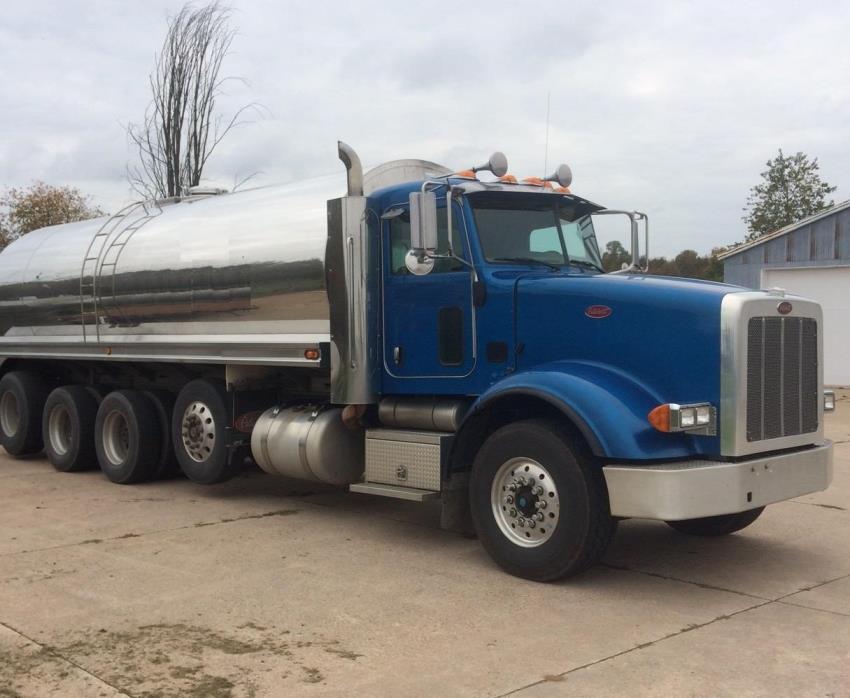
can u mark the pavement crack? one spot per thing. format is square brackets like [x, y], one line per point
[811, 587]
[817, 504]
[61, 657]
[127, 536]
[636, 648]
[670, 578]
[813, 608]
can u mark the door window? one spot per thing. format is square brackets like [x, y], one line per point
[400, 242]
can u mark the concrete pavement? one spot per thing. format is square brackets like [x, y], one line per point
[269, 587]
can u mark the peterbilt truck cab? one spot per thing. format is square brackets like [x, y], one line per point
[430, 335]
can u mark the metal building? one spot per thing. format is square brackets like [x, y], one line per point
[810, 258]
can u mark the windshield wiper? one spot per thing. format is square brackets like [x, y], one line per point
[586, 265]
[527, 260]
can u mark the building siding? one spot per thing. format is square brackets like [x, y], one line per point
[821, 243]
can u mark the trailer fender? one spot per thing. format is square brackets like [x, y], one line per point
[608, 407]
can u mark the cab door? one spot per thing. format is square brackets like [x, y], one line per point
[428, 320]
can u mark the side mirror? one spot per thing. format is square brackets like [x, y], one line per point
[423, 221]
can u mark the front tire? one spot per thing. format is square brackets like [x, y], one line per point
[127, 437]
[22, 398]
[68, 428]
[199, 432]
[539, 504]
[713, 526]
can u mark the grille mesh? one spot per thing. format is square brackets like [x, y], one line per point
[782, 377]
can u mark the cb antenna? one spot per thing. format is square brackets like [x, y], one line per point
[546, 151]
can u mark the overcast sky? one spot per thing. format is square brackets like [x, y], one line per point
[667, 107]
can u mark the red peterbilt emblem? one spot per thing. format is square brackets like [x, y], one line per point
[784, 308]
[597, 312]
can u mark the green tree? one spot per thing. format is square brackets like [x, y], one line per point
[40, 205]
[791, 189]
[615, 256]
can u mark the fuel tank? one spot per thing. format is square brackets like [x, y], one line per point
[239, 274]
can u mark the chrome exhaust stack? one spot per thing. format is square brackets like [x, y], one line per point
[353, 168]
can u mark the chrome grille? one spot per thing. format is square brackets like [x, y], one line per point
[782, 377]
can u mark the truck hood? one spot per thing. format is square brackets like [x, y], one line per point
[663, 332]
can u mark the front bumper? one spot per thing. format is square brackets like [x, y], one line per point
[697, 488]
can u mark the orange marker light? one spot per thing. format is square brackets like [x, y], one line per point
[660, 417]
[533, 180]
[469, 174]
[508, 179]
[311, 354]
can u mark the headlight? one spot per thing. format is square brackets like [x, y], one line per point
[698, 419]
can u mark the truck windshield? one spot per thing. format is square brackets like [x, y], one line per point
[535, 229]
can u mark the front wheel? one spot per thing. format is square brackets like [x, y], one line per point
[712, 526]
[539, 504]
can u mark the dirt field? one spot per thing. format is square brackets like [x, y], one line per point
[264, 587]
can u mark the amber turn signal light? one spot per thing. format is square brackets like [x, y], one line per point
[659, 418]
[311, 354]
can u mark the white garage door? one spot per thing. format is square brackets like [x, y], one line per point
[831, 288]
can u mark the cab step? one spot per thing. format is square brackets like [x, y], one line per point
[381, 490]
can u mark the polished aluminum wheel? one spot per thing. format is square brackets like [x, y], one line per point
[116, 438]
[10, 413]
[525, 502]
[198, 431]
[59, 429]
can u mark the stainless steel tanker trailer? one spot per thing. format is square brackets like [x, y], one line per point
[425, 335]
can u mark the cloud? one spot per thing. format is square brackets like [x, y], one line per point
[668, 108]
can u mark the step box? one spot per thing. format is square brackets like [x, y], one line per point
[406, 458]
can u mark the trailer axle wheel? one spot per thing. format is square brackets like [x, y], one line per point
[68, 428]
[127, 437]
[22, 397]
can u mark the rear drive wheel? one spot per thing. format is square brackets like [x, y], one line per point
[127, 437]
[712, 526]
[539, 504]
[22, 397]
[68, 428]
[163, 404]
[198, 429]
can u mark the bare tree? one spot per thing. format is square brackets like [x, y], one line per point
[181, 128]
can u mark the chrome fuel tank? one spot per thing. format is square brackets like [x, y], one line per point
[231, 277]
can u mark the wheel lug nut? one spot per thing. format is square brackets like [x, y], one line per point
[531, 523]
[540, 504]
[521, 522]
[538, 490]
[512, 487]
[513, 513]
[509, 499]
[539, 516]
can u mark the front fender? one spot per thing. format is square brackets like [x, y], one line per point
[608, 406]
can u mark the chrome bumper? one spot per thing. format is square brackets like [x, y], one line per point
[698, 488]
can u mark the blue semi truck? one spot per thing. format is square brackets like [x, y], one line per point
[431, 334]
